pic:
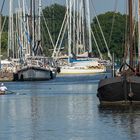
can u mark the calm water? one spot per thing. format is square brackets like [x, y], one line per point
[65, 108]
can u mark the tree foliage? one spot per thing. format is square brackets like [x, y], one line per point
[114, 28]
[4, 36]
[4, 42]
[54, 16]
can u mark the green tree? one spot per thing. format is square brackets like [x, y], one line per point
[4, 37]
[116, 41]
[54, 16]
[4, 42]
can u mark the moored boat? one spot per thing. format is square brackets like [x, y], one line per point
[33, 73]
[119, 90]
[125, 86]
[83, 67]
[78, 57]
[35, 68]
[33, 63]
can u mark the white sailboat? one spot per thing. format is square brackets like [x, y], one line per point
[83, 66]
[79, 41]
[34, 65]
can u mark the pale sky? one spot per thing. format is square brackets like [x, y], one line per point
[101, 6]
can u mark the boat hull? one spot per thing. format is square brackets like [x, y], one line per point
[119, 90]
[80, 71]
[33, 74]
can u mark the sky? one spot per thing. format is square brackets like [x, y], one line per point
[101, 6]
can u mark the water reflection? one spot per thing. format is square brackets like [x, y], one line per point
[79, 110]
[125, 118]
[64, 109]
[34, 116]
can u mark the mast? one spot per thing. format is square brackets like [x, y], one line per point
[24, 30]
[69, 9]
[74, 20]
[34, 25]
[30, 27]
[1, 28]
[85, 25]
[89, 27]
[10, 35]
[39, 20]
[139, 33]
[20, 30]
[79, 31]
[77, 25]
[131, 43]
[0, 36]
[17, 32]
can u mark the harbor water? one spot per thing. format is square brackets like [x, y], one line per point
[65, 108]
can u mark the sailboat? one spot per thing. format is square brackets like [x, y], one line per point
[125, 86]
[34, 65]
[83, 66]
[78, 58]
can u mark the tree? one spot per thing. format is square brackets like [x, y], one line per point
[4, 37]
[116, 41]
[4, 43]
[54, 16]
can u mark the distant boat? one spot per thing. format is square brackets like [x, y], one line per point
[34, 69]
[125, 86]
[34, 65]
[83, 66]
[79, 49]
[33, 73]
[7, 70]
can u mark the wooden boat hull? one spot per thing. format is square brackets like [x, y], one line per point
[119, 90]
[33, 74]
